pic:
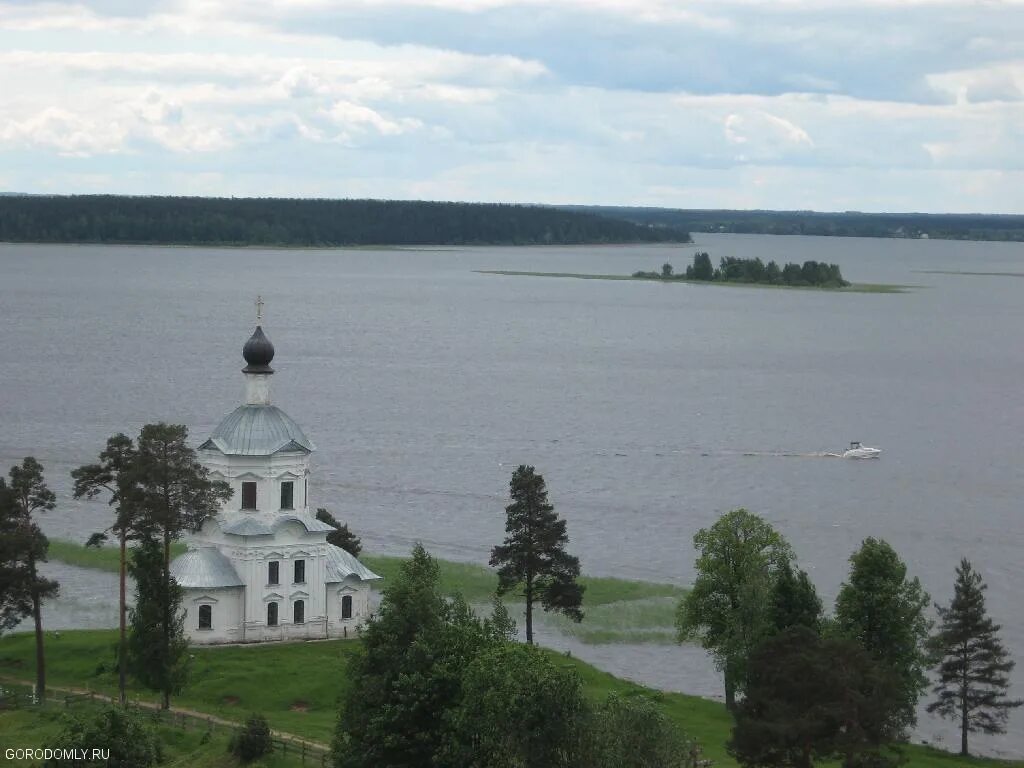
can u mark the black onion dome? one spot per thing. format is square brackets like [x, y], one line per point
[258, 352]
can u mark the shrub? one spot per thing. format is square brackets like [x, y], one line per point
[253, 741]
[131, 743]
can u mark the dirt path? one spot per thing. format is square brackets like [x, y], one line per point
[192, 714]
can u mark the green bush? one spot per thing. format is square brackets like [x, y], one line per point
[131, 744]
[253, 741]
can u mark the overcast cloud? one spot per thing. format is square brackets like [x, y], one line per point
[828, 105]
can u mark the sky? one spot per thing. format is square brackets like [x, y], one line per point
[871, 105]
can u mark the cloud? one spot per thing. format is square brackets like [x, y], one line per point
[708, 102]
[357, 118]
[765, 129]
[69, 134]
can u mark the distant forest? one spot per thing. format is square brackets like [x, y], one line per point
[295, 222]
[946, 226]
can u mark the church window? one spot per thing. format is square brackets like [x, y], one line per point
[346, 607]
[271, 614]
[273, 572]
[248, 495]
[300, 571]
[288, 495]
[305, 492]
[299, 612]
[206, 617]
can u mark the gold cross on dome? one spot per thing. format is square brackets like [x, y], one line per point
[259, 309]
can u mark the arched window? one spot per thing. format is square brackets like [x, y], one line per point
[206, 617]
[299, 612]
[346, 607]
[271, 614]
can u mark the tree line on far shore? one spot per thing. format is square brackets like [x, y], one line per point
[735, 270]
[310, 222]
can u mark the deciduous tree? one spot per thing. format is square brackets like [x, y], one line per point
[407, 675]
[533, 555]
[972, 665]
[633, 732]
[518, 708]
[729, 606]
[884, 611]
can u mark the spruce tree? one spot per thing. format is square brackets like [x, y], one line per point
[795, 602]
[174, 494]
[973, 667]
[533, 555]
[157, 650]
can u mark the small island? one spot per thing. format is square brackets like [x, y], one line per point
[811, 275]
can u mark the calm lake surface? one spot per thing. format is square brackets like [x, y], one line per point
[424, 384]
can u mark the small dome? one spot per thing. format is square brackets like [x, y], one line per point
[258, 352]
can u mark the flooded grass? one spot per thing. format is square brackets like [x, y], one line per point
[476, 583]
[644, 621]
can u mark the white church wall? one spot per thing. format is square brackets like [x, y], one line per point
[359, 592]
[268, 472]
[226, 614]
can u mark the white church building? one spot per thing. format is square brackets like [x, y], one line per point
[262, 568]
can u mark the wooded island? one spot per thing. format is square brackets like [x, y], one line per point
[733, 270]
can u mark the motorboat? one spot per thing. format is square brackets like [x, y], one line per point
[858, 451]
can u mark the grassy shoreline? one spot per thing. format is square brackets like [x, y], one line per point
[852, 288]
[607, 597]
[223, 684]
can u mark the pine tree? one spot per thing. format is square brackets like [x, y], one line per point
[973, 667]
[112, 475]
[343, 537]
[31, 495]
[533, 554]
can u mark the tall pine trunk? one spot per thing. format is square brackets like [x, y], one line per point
[37, 615]
[122, 648]
[166, 693]
[528, 593]
[964, 712]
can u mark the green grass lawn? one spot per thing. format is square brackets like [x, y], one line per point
[297, 687]
[851, 288]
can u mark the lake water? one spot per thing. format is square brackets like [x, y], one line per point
[424, 384]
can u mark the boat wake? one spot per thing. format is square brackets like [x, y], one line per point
[795, 454]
